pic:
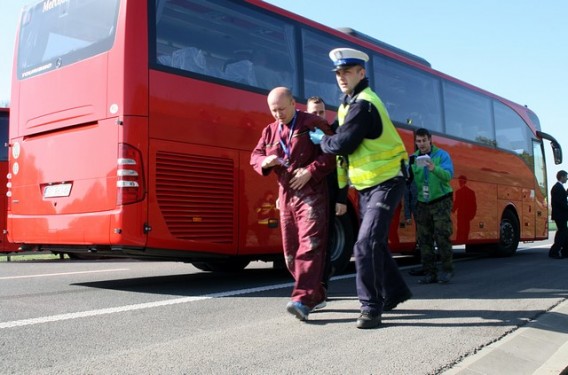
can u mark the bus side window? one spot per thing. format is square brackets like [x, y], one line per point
[267, 77]
[189, 58]
[165, 60]
[241, 72]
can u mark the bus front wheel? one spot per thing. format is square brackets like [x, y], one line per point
[509, 234]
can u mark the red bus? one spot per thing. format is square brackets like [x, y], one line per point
[5, 245]
[133, 124]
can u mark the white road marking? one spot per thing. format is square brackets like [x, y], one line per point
[61, 274]
[537, 246]
[147, 305]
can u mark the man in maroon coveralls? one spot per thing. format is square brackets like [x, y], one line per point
[285, 148]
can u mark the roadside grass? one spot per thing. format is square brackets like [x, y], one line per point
[24, 257]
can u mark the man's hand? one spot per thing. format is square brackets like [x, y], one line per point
[301, 177]
[270, 161]
[316, 135]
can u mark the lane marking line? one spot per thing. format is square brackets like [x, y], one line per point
[148, 305]
[62, 274]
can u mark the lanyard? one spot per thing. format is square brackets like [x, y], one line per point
[285, 148]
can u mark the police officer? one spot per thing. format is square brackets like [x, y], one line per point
[372, 156]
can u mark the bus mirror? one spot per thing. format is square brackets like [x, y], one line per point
[556, 149]
[557, 152]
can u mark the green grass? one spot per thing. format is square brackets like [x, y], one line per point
[15, 257]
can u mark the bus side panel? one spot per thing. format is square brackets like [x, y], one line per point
[209, 128]
[541, 222]
[128, 62]
[259, 218]
[497, 180]
[192, 197]
[529, 214]
[489, 180]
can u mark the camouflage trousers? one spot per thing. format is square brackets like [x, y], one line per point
[434, 225]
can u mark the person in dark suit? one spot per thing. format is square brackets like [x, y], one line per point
[559, 203]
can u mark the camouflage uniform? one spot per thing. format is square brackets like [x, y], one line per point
[435, 225]
[434, 210]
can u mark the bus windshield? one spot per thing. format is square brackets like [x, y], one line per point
[60, 32]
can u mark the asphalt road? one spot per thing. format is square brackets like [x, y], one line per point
[131, 317]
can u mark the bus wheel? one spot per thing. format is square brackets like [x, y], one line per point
[229, 265]
[342, 242]
[509, 234]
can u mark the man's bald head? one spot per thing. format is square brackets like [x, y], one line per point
[282, 104]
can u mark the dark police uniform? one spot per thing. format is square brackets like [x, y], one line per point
[372, 148]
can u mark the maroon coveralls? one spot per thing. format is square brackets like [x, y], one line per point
[304, 212]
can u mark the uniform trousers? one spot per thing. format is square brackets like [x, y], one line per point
[304, 225]
[377, 271]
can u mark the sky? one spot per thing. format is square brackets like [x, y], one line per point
[517, 49]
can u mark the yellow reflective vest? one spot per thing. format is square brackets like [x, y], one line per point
[375, 160]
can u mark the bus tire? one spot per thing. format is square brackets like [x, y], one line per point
[509, 235]
[341, 243]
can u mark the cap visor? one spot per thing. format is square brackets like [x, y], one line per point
[345, 66]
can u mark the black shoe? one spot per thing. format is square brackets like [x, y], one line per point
[416, 272]
[428, 279]
[367, 320]
[556, 256]
[391, 303]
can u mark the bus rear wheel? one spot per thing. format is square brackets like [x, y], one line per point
[342, 241]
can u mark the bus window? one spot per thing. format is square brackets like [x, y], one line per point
[319, 80]
[468, 115]
[64, 32]
[411, 96]
[227, 41]
[539, 166]
[511, 131]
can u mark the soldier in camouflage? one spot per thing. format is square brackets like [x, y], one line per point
[433, 170]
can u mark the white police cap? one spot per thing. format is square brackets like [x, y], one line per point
[346, 57]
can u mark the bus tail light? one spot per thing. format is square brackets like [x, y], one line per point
[130, 175]
[9, 192]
